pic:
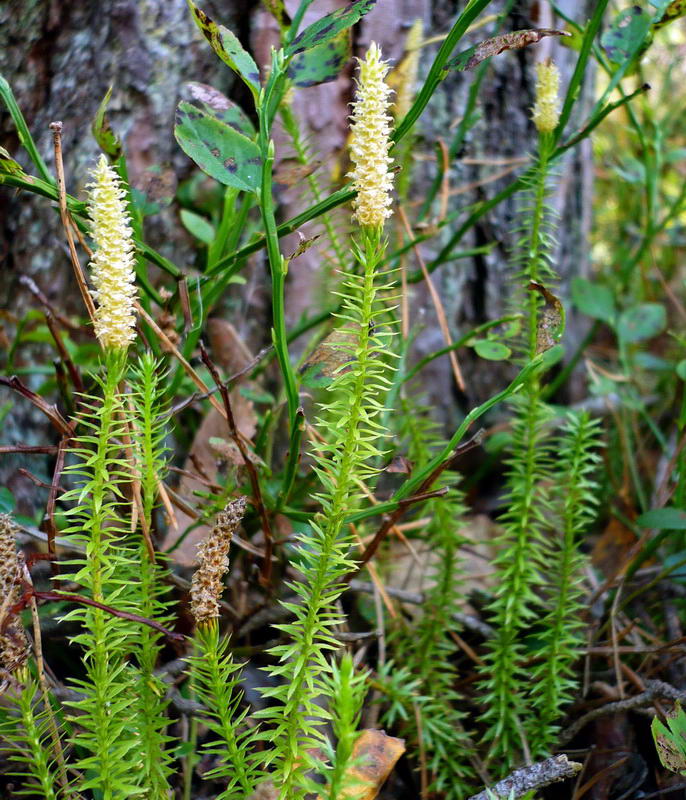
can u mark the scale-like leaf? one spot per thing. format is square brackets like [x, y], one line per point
[226, 45]
[322, 63]
[468, 59]
[329, 26]
[219, 150]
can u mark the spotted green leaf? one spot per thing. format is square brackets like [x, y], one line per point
[228, 48]
[322, 63]
[107, 139]
[628, 36]
[329, 26]
[217, 105]
[219, 150]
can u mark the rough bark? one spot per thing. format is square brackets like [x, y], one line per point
[60, 57]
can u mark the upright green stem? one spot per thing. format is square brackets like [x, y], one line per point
[279, 269]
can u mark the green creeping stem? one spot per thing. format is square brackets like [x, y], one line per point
[563, 628]
[29, 729]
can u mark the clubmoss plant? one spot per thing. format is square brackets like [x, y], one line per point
[325, 553]
[148, 432]
[519, 574]
[214, 675]
[25, 737]
[575, 500]
[347, 690]
[108, 571]
[435, 725]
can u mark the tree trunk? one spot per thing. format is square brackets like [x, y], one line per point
[60, 57]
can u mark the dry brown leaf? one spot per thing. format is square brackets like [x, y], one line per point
[228, 349]
[332, 353]
[612, 548]
[289, 171]
[551, 320]
[471, 58]
[374, 756]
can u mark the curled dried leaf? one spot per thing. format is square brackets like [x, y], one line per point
[551, 320]
[471, 58]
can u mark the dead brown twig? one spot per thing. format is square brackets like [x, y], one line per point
[424, 493]
[265, 574]
[56, 128]
[654, 690]
[535, 776]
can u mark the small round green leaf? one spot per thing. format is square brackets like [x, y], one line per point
[641, 322]
[493, 351]
[681, 369]
[665, 519]
[593, 299]
[198, 226]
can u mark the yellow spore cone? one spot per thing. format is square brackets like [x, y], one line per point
[112, 265]
[546, 113]
[370, 142]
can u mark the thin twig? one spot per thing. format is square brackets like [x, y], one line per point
[192, 374]
[62, 350]
[265, 575]
[424, 492]
[115, 612]
[26, 280]
[51, 412]
[56, 128]
[27, 449]
[655, 689]
[536, 776]
[40, 668]
[438, 305]
[50, 526]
